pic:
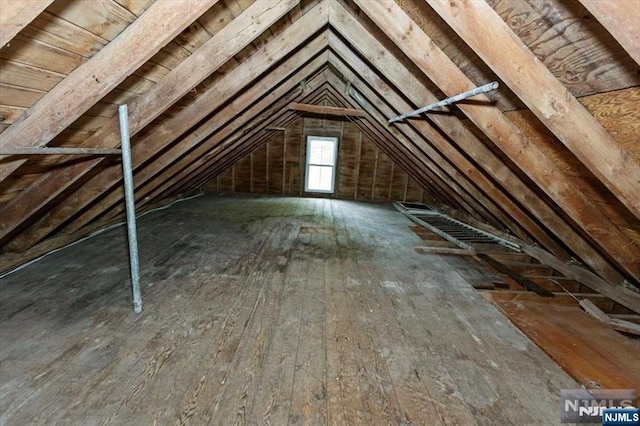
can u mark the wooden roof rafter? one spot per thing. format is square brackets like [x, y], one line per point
[406, 83]
[161, 136]
[389, 67]
[622, 295]
[215, 130]
[422, 130]
[247, 126]
[233, 37]
[412, 142]
[546, 97]
[531, 160]
[407, 155]
[91, 81]
[271, 111]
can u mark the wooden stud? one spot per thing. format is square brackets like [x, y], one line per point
[375, 173]
[266, 169]
[357, 176]
[284, 164]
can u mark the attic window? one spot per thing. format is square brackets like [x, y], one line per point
[321, 164]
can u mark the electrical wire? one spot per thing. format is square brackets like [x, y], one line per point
[94, 234]
[566, 291]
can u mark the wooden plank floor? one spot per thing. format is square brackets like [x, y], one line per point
[264, 311]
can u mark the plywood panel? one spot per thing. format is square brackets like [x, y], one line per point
[588, 350]
[619, 114]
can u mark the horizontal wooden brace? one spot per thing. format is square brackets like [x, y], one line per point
[326, 110]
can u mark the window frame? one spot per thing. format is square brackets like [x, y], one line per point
[308, 164]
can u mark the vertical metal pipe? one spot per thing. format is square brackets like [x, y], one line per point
[127, 171]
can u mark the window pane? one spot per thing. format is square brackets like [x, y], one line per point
[321, 152]
[320, 178]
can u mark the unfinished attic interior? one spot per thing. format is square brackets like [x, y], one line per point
[293, 254]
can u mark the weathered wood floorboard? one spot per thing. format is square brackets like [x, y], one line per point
[264, 311]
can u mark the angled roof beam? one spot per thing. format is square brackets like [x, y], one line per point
[49, 187]
[412, 142]
[220, 157]
[237, 155]
[248, 125]
[621, 19]
[523, 152]
[218, 127]
[402, 149]
[246, 147]
[16, 15]
[500, 48]
[441, 147]
[500, 181]
[105, 70]
[438, 161]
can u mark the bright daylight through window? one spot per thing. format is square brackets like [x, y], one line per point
[321, 164]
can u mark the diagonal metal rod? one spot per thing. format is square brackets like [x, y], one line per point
[453, 99]
[127, 171]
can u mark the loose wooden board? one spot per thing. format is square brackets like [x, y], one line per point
[590, 351]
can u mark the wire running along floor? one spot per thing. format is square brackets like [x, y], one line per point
[278, 310]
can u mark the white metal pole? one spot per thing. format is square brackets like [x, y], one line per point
[453, 99]
[127, 171]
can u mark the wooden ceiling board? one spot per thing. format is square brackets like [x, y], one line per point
[104, 18]
[23, 75]
[32, 52]
[137, 7]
